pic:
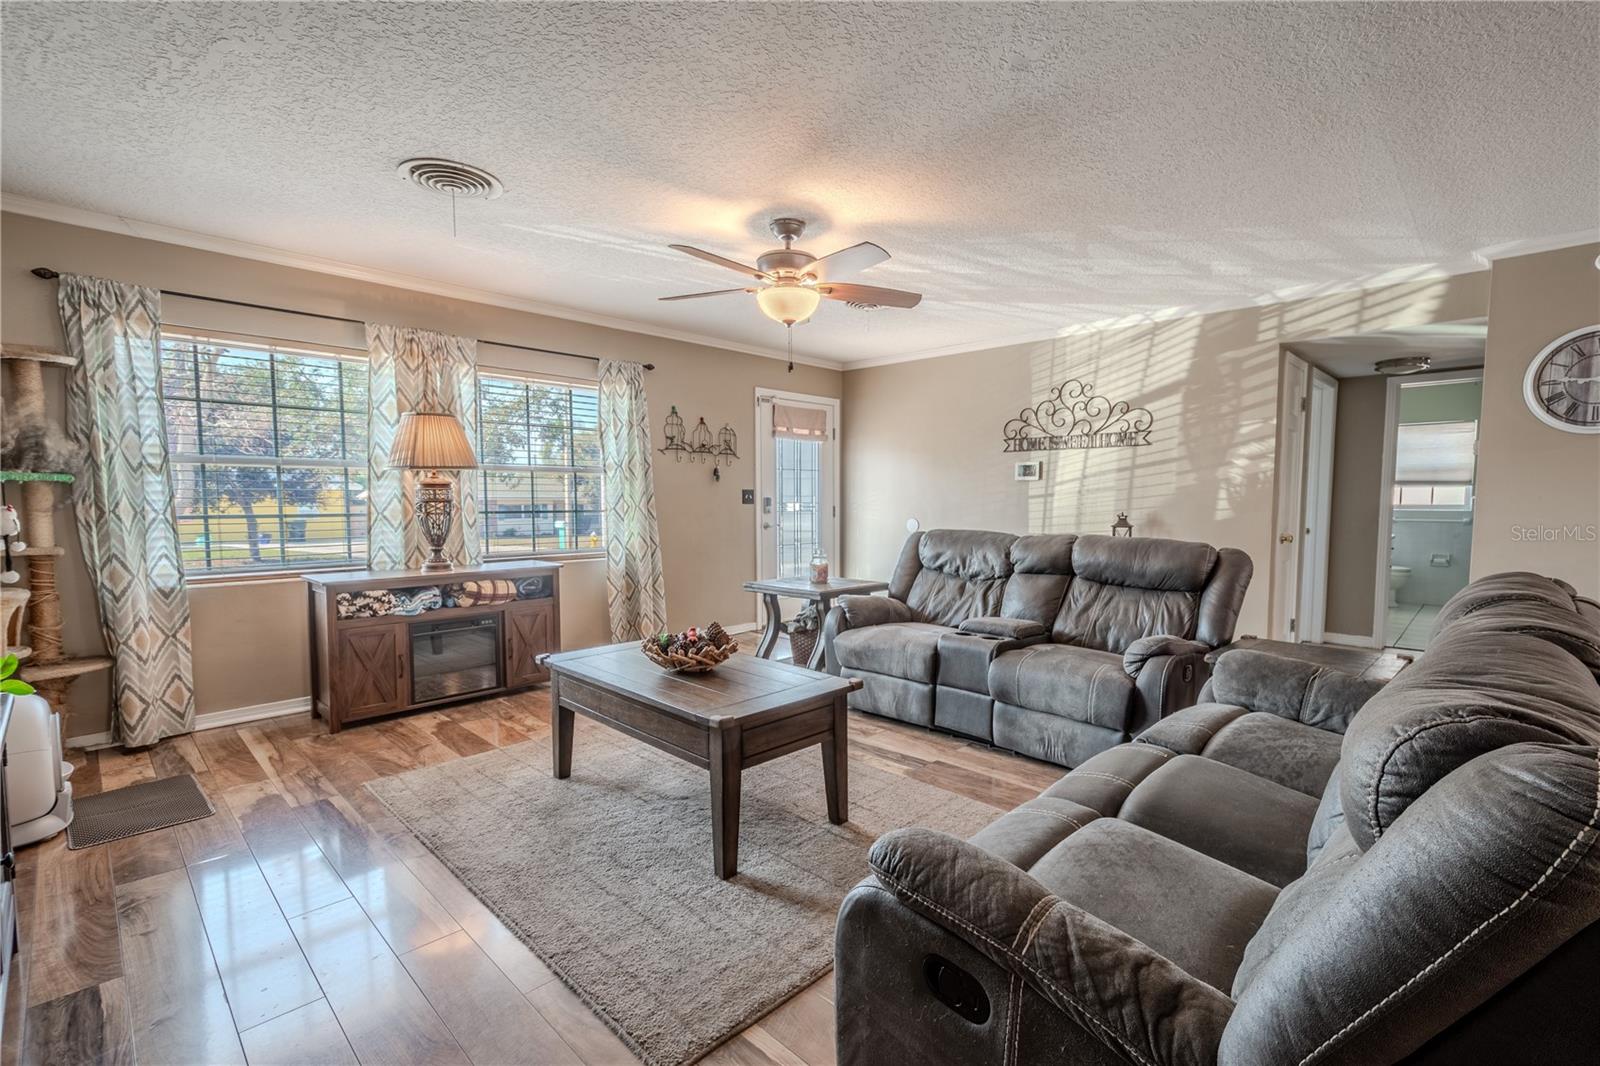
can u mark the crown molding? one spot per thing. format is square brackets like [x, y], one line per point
[205, 242]
[1534, 245]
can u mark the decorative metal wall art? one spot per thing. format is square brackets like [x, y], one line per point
[1072, 417]
[697, 445]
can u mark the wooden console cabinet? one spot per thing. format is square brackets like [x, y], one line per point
[364, 665]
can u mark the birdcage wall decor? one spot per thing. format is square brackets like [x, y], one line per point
[673, 430]
[698, 444]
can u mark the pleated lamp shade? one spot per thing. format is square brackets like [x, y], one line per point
[431, 442]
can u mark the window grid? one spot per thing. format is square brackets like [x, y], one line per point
[799, 489]
[541, 489]
[230, 483]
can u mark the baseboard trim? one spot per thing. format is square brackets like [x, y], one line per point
[212, 720]
[1349, 641]
[254, 713]
[747, 627]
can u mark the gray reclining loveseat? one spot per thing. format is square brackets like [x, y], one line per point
[1057, 646]
[1200, 896]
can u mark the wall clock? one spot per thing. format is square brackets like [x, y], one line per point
[1562, 387]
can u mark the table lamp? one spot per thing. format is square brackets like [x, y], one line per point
[432, 442]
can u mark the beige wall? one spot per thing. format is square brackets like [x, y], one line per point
[249, 638]
[1538, 487]
[924, 439]
[1354, 514]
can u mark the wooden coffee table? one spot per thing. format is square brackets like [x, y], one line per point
[745, 712]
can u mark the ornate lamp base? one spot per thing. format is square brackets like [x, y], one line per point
[435, 508]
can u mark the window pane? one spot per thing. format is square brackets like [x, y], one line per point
[235, 399]
[543, 429]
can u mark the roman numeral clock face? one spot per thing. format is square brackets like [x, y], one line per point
[1563, 384]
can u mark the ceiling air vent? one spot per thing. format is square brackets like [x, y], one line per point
[451, 178]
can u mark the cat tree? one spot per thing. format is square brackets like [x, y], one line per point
[45, 663]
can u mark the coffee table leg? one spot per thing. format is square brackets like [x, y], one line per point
[836, 765]
[769, 636]
[560, 733]
[726, 763]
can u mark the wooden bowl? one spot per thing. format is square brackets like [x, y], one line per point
[702, 661]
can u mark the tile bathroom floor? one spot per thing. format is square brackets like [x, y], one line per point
[1410, 624]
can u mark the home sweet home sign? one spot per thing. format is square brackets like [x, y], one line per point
[1073, 417]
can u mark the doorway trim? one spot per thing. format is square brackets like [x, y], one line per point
[833, 404]
[1391, 437]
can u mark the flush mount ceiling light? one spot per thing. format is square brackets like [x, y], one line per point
[1402, 365]
[451, 178]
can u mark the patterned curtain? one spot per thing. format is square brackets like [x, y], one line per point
[417, 370]
[636, 596]
[126, 521]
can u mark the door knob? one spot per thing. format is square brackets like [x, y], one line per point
[1285, 538]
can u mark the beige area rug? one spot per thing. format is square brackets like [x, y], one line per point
[607, 875]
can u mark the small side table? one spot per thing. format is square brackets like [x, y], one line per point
[799, 589]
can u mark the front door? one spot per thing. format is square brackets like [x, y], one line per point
[797, 474]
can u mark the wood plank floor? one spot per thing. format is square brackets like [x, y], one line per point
[304, 924]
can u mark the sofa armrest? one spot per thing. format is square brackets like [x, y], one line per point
[1140, 1004]
[1009, 628]
[1144, 649]
[862, 611]
[1290, 688]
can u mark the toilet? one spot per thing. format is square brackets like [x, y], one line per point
[1398, 576]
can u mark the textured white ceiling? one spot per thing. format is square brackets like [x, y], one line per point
[1029, 166]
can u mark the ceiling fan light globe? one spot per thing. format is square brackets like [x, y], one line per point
[788, 304]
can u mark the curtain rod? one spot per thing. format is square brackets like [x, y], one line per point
[50, 275]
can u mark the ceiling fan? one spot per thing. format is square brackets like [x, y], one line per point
[792, 282]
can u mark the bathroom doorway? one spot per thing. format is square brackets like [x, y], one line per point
[1430, 467]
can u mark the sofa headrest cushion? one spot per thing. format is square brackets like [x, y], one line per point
[1144, 562]
[1049, 553]
[1472, 693]
[1525, 603]
[1290, 688]
[967, 553]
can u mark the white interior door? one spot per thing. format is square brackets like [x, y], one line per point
[1313, 606]
[1292, 404]
[797, 478]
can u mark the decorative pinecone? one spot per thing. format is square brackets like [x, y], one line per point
[717, 635]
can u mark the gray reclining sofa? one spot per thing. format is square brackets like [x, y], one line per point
[1306, 868]
[1056, 646]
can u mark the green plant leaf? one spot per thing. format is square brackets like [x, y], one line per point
[16, 688]
[8, 666]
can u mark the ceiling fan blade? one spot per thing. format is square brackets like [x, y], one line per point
[697, 295]
[847, 261]
[869, 294]
[712, 257]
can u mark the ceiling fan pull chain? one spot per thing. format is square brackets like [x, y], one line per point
[789, 332]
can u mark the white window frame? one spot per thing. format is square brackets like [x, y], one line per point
[175, 460]
[597, 471]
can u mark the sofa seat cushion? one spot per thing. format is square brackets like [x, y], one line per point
[1022, 836]
[1185, 906]
[1288, 753]
[907, 650]
[1248, 822]
[1105, 780]
[1078, 683]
